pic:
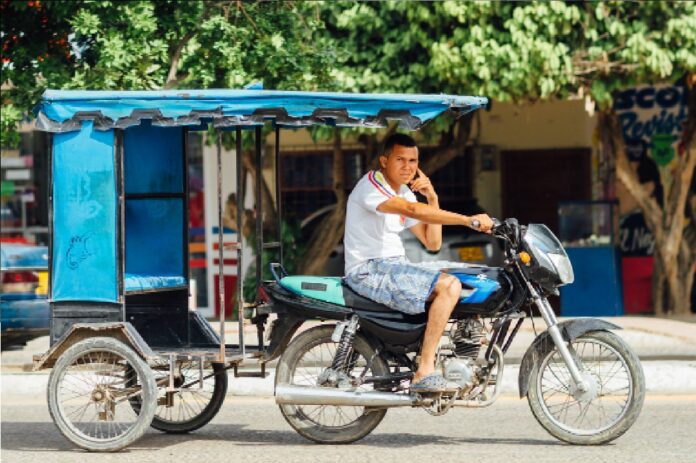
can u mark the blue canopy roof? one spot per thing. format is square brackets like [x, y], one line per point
[63, 111]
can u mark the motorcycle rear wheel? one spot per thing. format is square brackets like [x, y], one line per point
[301, 364]
[617, 376]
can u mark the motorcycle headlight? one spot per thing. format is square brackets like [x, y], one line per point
[563, 267]
[550, 266]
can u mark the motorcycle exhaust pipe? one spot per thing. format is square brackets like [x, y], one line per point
[287, 394]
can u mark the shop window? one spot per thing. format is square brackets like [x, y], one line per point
[23, 191]
[307, 177]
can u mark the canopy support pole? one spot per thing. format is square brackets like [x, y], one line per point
[221, 277]
[278, 194]
[259, 210]
[240, 238]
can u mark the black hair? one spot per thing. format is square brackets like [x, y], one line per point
[400, 139]
[648, 172]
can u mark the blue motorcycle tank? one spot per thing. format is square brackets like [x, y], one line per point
[484, 290]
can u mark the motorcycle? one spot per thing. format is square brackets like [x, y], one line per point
[335, 382]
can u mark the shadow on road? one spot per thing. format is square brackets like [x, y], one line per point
[45, 437]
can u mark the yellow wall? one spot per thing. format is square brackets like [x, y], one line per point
[556, 124]
[507, 126]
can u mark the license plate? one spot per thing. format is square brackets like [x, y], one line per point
[471, 254]
[43, 283]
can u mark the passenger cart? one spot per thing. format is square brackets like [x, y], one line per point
[126, 351]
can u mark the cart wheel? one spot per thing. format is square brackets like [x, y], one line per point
[192, 406]
[89, 391]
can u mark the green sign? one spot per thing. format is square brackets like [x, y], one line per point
[662, 149]
[7, 188]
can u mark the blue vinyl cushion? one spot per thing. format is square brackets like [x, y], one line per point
[135, 282]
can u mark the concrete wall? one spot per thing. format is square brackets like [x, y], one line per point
[555, 124]
[544, 125]
[507, 126]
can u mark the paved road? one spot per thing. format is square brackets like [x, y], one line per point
[252, 430]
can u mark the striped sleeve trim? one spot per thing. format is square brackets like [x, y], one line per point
[376, 183]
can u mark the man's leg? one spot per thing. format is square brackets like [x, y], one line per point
[446, 294]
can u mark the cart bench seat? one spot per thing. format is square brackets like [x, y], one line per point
[138, 283]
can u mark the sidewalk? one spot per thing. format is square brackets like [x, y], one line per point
[651, 338]
[666, 347]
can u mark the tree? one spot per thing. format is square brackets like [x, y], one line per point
[529, 52]
[155, 44]
[159, 44]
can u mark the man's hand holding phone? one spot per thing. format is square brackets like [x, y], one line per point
[421, 184]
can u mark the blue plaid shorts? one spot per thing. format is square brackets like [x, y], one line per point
[394, 282]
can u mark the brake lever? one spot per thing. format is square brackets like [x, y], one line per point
[497, 228]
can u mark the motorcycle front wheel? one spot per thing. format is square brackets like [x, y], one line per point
[597, 416]
[302, 364]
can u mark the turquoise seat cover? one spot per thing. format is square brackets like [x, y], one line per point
[327, 289]
[134, 282]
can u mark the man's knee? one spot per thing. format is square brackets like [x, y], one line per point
[449, 286]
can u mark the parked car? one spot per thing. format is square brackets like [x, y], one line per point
[23, 293]
[459, 244]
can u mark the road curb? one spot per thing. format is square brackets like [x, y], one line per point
[661, 377]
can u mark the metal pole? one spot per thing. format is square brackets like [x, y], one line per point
[221, 277]
[240, 238]
[259, 209]
[23, 214]
[279, 209]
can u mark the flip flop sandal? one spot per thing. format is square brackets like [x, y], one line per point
[431, 383]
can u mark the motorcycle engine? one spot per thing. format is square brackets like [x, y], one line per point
[460, 371]
[466, 337]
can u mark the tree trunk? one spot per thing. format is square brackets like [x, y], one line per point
[330, 231]
[450, 147]
[269, 207]
[658, 283]
[674, 243]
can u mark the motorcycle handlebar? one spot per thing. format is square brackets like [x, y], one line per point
[476, 224]
[508, 230]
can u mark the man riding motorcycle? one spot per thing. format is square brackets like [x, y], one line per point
[381, 205]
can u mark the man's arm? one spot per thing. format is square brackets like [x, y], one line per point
[423, 212]
[430, 234]
[431, 215]
[431, 243]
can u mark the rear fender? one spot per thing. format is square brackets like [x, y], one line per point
[543, 344]
[123, 331]
[282, 330]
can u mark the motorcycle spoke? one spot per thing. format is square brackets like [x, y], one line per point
[603, 409]
[307, 372]
[583, 412]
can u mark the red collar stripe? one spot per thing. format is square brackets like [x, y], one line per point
[376, 184]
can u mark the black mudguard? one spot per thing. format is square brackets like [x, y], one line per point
[282, 331]
[543, 344]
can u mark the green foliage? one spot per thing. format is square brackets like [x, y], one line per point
[9, 118]
[511, 51]
[153, 44]
[292, 255]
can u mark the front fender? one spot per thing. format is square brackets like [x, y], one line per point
[543, 344]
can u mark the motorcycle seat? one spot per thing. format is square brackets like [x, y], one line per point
[330, 289]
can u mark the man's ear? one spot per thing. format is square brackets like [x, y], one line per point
[383, 161]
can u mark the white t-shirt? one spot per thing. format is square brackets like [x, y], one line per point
[369, 233]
